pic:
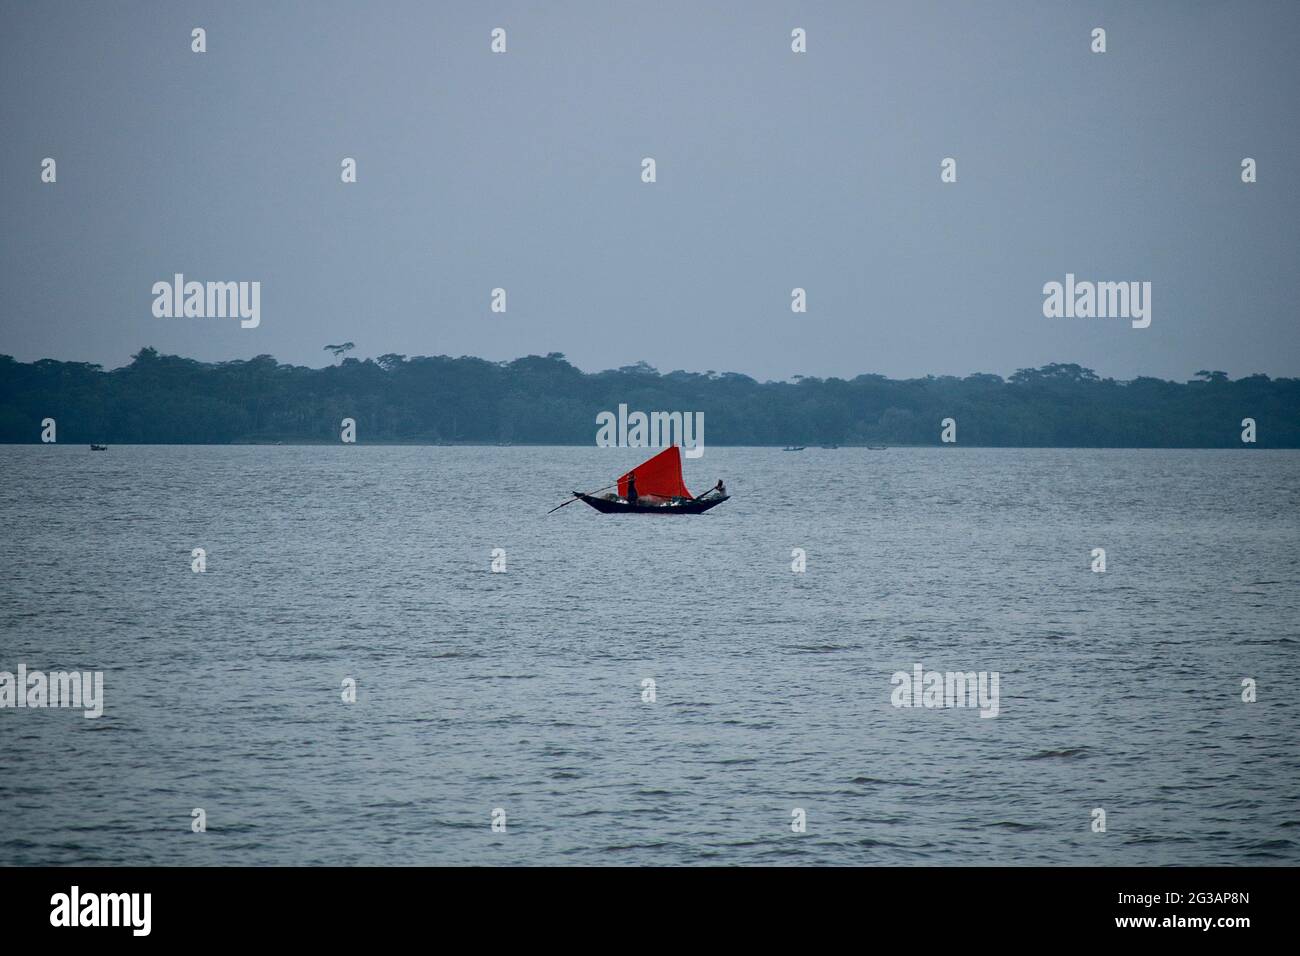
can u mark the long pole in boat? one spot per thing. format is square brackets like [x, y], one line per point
[575, 497]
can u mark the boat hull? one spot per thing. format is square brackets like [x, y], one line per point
[693, 507]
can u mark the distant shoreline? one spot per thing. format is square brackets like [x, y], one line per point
[545, 401]
[631, 450]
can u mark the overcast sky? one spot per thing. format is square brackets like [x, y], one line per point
[775, 170]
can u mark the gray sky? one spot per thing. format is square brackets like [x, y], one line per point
[775, 170]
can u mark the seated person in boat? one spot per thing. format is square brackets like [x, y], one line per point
[718, 489]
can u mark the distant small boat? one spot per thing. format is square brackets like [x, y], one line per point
[794, 448]
[99, 448]
[831, 447]
[659, 490]
[877, 447]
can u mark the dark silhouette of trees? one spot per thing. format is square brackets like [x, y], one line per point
[545, 400]
[340, 350]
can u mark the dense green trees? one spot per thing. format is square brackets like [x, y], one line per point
[545, 400]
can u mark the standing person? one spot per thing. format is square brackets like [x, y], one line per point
[631, 488]
[719, 488]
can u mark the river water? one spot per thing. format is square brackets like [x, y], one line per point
[524, 691]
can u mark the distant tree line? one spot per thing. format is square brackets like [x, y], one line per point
[545, 400]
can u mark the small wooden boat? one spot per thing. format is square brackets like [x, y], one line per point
[793, 448]
[99, 448]
[877, 447]
[659, 490]
[612, 505]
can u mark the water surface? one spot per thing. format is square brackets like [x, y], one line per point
[522, 690]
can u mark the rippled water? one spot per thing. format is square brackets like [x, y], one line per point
[522, 690]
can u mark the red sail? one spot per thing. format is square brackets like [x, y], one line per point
[661, 475]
